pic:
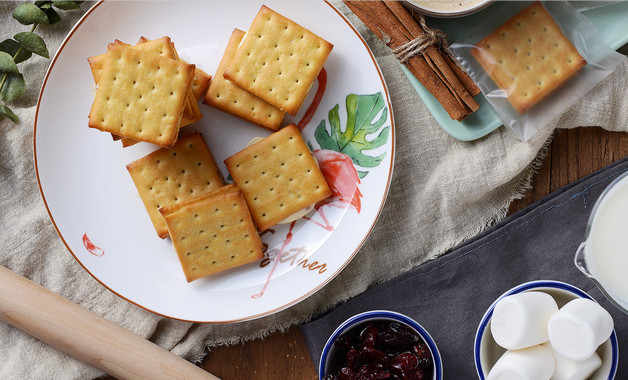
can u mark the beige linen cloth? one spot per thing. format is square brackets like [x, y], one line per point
[443, 191]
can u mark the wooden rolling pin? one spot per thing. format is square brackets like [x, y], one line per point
[85, 335]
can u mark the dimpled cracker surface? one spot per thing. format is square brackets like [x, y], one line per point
[226, 96]
[141, 96]
[278, 60]
[528, 56]
[168, 176]
[213, 233]
[161, 46]
[278, 177]
[164, 47]
[176, 206]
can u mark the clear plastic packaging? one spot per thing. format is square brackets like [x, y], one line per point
[529, 67]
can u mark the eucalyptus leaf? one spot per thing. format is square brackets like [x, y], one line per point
[7, 65]
[27, 14]
[44, 4]
[6, 111]
[11, 47]
[53, 16]
[65, 5]
[32, 42]
[13, 88]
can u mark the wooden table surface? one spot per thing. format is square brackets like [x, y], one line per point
[573, 154]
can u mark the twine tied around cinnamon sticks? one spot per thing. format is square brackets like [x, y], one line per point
[418, 45]
[434, 67]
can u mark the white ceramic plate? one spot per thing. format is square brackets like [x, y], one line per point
[95, 207]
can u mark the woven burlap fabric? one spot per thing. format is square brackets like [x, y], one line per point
[443, 191]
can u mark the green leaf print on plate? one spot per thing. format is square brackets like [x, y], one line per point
[362, 121]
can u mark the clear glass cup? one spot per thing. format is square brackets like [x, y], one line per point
[584, 259]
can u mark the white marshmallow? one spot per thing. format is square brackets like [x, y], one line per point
[532, 363]
[520, 320]
[566, 369]
[578, 329]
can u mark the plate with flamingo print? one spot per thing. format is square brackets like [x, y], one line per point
[346, 121]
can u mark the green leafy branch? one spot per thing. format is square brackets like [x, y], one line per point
[23, 45]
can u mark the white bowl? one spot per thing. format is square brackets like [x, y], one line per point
[328, 356]
[487, 352]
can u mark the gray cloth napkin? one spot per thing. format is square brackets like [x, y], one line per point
[443, 192]
[449, 296]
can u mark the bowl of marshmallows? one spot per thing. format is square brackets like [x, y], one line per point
[544, 330]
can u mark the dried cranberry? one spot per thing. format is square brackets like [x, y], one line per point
[353, 359]
[374, 355]
[420, 374]
[423, 354]
[346, 374]
[405, 361]
[397, 338]
[343, 341]
[368, 336]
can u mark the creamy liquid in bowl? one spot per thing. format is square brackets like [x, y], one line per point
[447, 5]
[608, 253]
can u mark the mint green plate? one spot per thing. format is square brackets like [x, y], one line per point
[610, 21]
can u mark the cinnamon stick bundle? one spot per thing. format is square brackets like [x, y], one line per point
[442, 77]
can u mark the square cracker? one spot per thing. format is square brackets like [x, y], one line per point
[165, 48]
[278, 177]
[278, 60]
[201, 78]
[141, 96]
[528, 56]
[168, 176]
[226, 96]
[213, 232]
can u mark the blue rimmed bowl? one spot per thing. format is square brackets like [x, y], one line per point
[331, 359]
[487, 352]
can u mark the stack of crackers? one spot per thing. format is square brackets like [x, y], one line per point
[146, 93]
[267, 71]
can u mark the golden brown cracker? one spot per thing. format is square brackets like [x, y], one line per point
[278, 60]
[226, 96]
[95, 66]
[168, 176]
[528, 56]
[232, 187]
[200, 84]
[278, 177]
[164, 47]
[141, 96]
[213, 234]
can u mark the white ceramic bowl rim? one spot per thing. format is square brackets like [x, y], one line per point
[535, 285]
[433, 12]
[376, 314]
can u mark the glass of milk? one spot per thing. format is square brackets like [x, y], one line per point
[603, 257]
